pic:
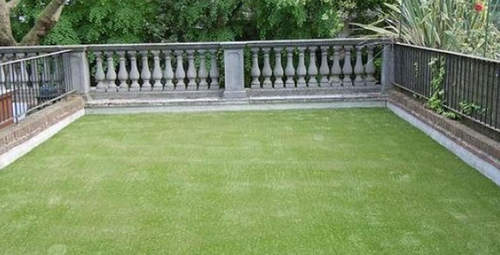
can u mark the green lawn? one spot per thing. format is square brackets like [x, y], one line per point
[353, 181]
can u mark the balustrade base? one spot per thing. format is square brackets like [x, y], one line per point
[236, 95]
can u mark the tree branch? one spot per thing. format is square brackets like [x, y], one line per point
[13, 4]
[6, 37]
[45, 22]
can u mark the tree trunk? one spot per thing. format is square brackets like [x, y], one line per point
[45, 22]
[6, 38]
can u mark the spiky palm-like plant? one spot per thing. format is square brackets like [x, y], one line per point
[456, 25]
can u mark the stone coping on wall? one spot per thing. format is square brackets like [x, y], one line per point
[155, 101]
[480, 145]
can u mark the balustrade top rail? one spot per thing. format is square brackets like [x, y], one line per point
[446, 52]
[9, 62]
[193, 45]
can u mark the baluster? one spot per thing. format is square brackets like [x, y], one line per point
[46, 74]
[312, 70]
[9, 77]
[157, 75]
[347, 70]
[2, 79]
[180, 75]
[8, 72]
[23, 71]
[289, 70]
[145, 72]
[122, 72]
[336, 69]
[55, 74]
[370, 68]
[214, 70]
[202, 71]
[191, 72]
[2, 76]
[35, 79]
[34, 71]
[255, 68]
[110, 74]
[266, 70]
[358, 68]
[169, 73]
[13, 76]
[301, 69]
[278, 69]
[134, 72]
[324, 70]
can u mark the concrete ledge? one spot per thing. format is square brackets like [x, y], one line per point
[21, 138]
[168, 94]
[322, 91]
[210, 101]
[284, 92]
[232, 107]
[486, 164]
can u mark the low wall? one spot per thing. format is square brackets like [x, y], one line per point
[19, 139]
[478, 150]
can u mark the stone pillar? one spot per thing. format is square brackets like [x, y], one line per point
[387, 68]
[301, 69]
[134, 71]
[110, 72]
[99, 72]
[214, 70]
[202, 71]
[255, 72]
[278, 69]
[122, 72]
[169, 72]
[80, 70]
[233, 70]
[266, 70]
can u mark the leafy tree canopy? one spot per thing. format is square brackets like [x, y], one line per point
[131, 21]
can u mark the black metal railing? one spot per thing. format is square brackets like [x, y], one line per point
[464, 85]
[30, 83]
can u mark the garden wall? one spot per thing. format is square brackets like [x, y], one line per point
[17, 140]
[476, 149]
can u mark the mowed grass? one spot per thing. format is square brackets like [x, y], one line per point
[354, 181]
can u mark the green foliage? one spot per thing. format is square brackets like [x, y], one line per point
[436, 100]
[471, 108]
[284, 19]
[188, 20]
[129, 21]
[444, 24]
[89, 21]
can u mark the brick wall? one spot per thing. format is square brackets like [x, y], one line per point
[37, 122]
[5, 109]
[482, 146]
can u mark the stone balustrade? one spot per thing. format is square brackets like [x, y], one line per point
[156, 67]
[312, 64]
[228, 69]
